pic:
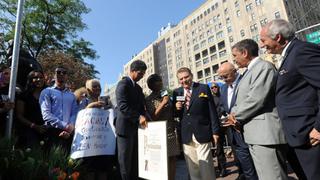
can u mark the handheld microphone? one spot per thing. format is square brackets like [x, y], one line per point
[180, 97]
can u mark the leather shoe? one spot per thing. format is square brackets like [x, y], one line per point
[223, 173]
[241, 177]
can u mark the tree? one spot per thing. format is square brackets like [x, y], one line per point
[78, 72]
[47, 25]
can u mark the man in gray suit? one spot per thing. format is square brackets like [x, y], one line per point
[255, 111]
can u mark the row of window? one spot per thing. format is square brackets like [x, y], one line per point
[205, 13]
[207, 72]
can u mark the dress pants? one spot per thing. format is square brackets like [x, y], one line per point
[243, 155]
[128, 156]
[220, 151]
[199, 160]
[309, 158]
[269, 161]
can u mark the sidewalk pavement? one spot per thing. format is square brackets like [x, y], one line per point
[182, 172]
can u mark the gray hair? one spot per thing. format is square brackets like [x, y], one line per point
[90, 82]
[282, 27]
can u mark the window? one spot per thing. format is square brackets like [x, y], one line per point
[249, 7]
[205, 61]
[254, 28]
[221, 45]
[226, 11]
[195, 40]
[238, 13]
[208, 79]
[210, 39]
[256, 38]
[197, 56]
[203, 43]
[242, 33]
[263, 22]
[196, 47]
[277, 15]
[228, 21]
[200, 74]
[229, 29]
[215, 68]
[230, 39]
[258, 2]
[213, 57]
[198, 64]
[219, 35]
[207, 72]
[253, 16]
[204, 53]
[236, 4]
[223, 53]
[212, 49]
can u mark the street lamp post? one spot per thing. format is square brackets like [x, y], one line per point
[14, 65]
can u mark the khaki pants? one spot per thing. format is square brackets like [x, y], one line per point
[199, 160]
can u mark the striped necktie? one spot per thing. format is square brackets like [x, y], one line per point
[188, 98]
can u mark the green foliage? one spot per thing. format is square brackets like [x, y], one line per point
[36, 163]
[48, 24]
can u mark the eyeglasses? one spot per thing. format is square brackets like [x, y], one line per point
[96, 86]
[37, 77]
[61, 72]
[214, 87]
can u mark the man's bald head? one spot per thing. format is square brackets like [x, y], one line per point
[227, 72]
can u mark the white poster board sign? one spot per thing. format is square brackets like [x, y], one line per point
[153, 155]
[94, 133]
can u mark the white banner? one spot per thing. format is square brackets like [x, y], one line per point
[153, 156]
[94, 133]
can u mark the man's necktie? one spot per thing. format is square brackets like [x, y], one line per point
[188, 98]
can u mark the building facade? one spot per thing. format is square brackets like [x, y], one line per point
[303, 14]
[203, 40]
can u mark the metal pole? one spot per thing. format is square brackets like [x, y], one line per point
[304, 29]
[14, 64]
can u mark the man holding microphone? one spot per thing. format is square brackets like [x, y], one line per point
[199, 124]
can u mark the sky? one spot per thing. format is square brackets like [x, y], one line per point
[119, 29]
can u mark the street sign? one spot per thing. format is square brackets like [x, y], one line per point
[314, 37]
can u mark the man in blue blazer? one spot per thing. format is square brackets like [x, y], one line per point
[297, 92]
[199, 124]
[130, 114]
[229, 74]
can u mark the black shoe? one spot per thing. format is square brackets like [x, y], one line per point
[241, 177]
[223, 173]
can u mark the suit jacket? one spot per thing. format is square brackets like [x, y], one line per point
[255, 106]
[130, 105]
[201, 118]
[297, 96]
[224, 97]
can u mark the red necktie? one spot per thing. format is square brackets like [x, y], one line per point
[188, 98]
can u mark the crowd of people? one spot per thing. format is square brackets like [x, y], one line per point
[268, 112]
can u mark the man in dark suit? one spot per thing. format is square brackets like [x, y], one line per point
[229, 74]
[297, 98]
[130, 114]
[199, 125]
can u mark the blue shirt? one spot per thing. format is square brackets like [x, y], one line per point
[59, 107]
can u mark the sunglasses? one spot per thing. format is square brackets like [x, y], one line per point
[61, 72]
[214, 87]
